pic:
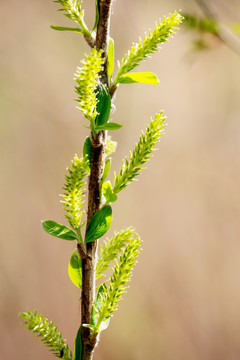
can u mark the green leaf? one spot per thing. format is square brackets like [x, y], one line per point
[98, 303]
[108, 193]
[103, 105]
[139, 77]
[90, 326]
[64, 28]
[87, 153]
[110, 146]
[104, 325]
[75, 269]
[106, 169]
[78, 346]
[99, 224]
[96, 16]
[109, 126]
[58, 230]
[110, 60]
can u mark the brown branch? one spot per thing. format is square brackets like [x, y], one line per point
[89, 261]
[89, 340]
[104, 7]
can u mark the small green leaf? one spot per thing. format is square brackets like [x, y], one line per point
[58, 230]
[87, 153]
[104, 324]
[106, 169]
[98, 302]
[96, 16]
[99, 224]
[88, 326]
[108, 193]
[103, 105]
[110, 60]
[75, 269]
[109, 126]
[78, 346]
[139, 77]
[110, 146]
[64, 28]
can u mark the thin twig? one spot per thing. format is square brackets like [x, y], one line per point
[89, 41]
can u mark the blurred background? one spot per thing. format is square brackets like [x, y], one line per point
[185, 293]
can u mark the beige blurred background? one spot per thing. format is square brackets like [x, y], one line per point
[184, 300]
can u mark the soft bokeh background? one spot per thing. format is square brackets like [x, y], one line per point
[185, 294]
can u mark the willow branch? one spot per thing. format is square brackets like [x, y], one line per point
[89, 340]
